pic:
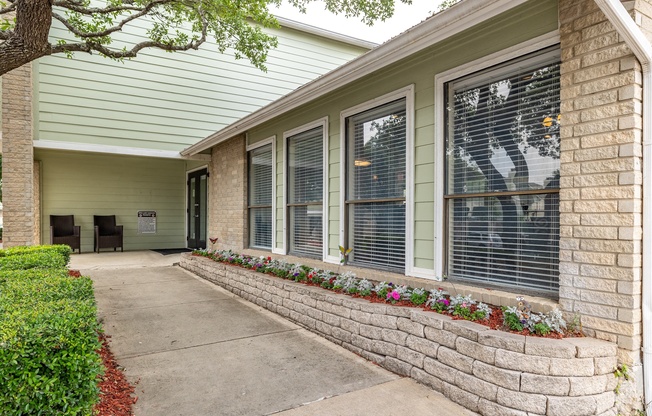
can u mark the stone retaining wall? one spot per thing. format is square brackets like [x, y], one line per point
[489, 372]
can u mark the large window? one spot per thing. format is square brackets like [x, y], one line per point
[260, 197]
[502, 183]
[305, 193]
[375, 194]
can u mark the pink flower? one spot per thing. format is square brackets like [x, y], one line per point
[394, 295]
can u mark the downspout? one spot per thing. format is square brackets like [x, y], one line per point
[640, 45]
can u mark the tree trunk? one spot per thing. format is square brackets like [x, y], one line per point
[29, 40]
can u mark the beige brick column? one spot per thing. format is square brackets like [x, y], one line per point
[17, 158]
[228, 194]
[600, 197]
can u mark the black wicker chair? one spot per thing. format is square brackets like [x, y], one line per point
[64, 231]
[107, 233]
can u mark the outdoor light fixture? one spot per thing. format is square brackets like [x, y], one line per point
[362, 163]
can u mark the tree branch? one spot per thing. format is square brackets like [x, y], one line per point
[27, 41]
[88, 11]
[108, 31]
[8, 9]
[91, 47]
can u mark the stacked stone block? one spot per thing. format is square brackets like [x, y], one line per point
[487, 371]
[227, 206]
[17, 158]
[601, 176]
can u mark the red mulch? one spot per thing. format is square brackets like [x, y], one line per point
[74, 273]
[116, 394]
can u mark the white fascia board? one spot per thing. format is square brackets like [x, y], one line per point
[116, 150]
[324, 33]
[431, 31]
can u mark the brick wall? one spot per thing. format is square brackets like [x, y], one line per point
[600, 197]
[228, 194]
[18, 158]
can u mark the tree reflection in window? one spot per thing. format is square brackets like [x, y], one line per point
[503, 177]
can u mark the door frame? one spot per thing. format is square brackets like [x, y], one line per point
[195, 172]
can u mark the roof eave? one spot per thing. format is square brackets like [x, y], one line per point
[293, 24]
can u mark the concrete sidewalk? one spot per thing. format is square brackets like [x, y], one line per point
[196, 349]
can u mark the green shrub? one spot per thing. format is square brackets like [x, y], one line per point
[62, 249]
[35, 257]
[48, 340]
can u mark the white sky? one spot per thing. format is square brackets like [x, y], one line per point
[405, 16]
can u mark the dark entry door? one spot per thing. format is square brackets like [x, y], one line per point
[197, 194]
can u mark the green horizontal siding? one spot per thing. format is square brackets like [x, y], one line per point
[168, 101]
[530, 20]
[87, 184]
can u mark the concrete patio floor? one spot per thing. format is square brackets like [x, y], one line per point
[193, 348]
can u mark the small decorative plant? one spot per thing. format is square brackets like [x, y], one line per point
[438, 300]
[298, 273]
[365, 287]
[347, 282]
[519, 317]
[382, 289]
[467, 308]
[344, 254]
[404, 291]
[393, 296]
[419, 296]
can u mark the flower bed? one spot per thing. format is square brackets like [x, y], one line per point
[519, 319]
[489, 372]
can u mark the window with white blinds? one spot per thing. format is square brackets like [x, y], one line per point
[375, 194]
[305, 193]
[260, 197]
[502, 184]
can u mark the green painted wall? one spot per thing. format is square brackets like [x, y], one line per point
[168, 101]
[532, 19]
[85, 184]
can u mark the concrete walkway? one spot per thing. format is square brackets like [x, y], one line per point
[193, 348]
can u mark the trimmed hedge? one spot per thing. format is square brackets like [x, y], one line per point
[48, 338]
[35, 257]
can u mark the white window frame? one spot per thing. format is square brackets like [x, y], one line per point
[514, 52]
[323, 124]
[270, 140]
[406, 93]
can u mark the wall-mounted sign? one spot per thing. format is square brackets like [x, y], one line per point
[146, 222]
